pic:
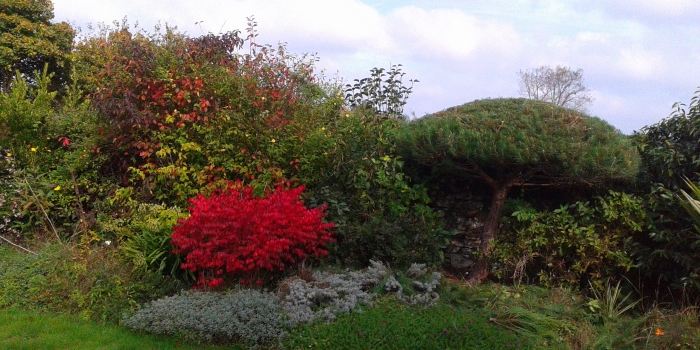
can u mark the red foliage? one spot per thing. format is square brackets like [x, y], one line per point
[235, 233]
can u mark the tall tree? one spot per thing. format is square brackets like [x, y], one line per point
[28, 41]
[508, 143]
[561, 86]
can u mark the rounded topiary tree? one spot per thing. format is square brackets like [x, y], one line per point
[510, 143]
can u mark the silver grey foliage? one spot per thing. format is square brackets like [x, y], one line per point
[331, 293]
[249, 316]
[258, 318]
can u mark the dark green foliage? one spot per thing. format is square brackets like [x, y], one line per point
[378, 213]
[573, 245]
[505, 143]
[509, 137]
[245, 316]
[669, 256]
[24, 111]
[670, 149]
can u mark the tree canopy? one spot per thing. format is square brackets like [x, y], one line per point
[518, 142]
[29, 40]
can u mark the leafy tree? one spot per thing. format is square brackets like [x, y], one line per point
[670, 153]
[561, 86]
[508, 143]
[670, 149]
[381, 96]
[29, 41]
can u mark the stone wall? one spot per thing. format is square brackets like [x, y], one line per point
[464, 213]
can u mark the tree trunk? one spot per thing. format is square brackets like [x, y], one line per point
[490, 232]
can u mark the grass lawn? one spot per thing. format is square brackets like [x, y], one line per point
[31, 330]
[392, 325]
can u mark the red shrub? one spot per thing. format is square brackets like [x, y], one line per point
[234, 233]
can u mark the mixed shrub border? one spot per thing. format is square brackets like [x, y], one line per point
[281, 168]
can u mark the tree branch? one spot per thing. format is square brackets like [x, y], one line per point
[17, 246]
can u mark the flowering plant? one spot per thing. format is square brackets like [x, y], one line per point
[234, 233]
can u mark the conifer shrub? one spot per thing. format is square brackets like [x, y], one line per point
[234, 234]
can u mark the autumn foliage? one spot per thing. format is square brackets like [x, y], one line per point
[233, 233]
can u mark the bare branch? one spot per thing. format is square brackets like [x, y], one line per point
[561, 86]
[17, 246]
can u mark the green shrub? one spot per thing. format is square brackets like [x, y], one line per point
[247, 316]
[669, 255]
[573, 244]
[94, 284]
[54, 182]
[143, 238]
[379, 214]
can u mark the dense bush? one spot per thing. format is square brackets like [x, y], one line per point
[168, 116]
[184, 113]
[247, 316]
[352, 165]
[573, 245]
[232, 233]
[669, 256]
[54, 182]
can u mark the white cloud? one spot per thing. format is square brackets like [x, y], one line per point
[449, 33]
[640, 64]
[663, 12]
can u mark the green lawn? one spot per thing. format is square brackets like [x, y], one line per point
[31, 330]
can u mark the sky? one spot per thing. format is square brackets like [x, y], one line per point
[638, 57]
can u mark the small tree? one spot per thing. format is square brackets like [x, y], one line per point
[517, 142]
[561, 86]
[382, 96]
[30, 41]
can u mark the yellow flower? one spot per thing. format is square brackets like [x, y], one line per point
[9, 154]
[33, 149]
[347, 115]
[273, 141]
[323, 129]
[57, 188]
